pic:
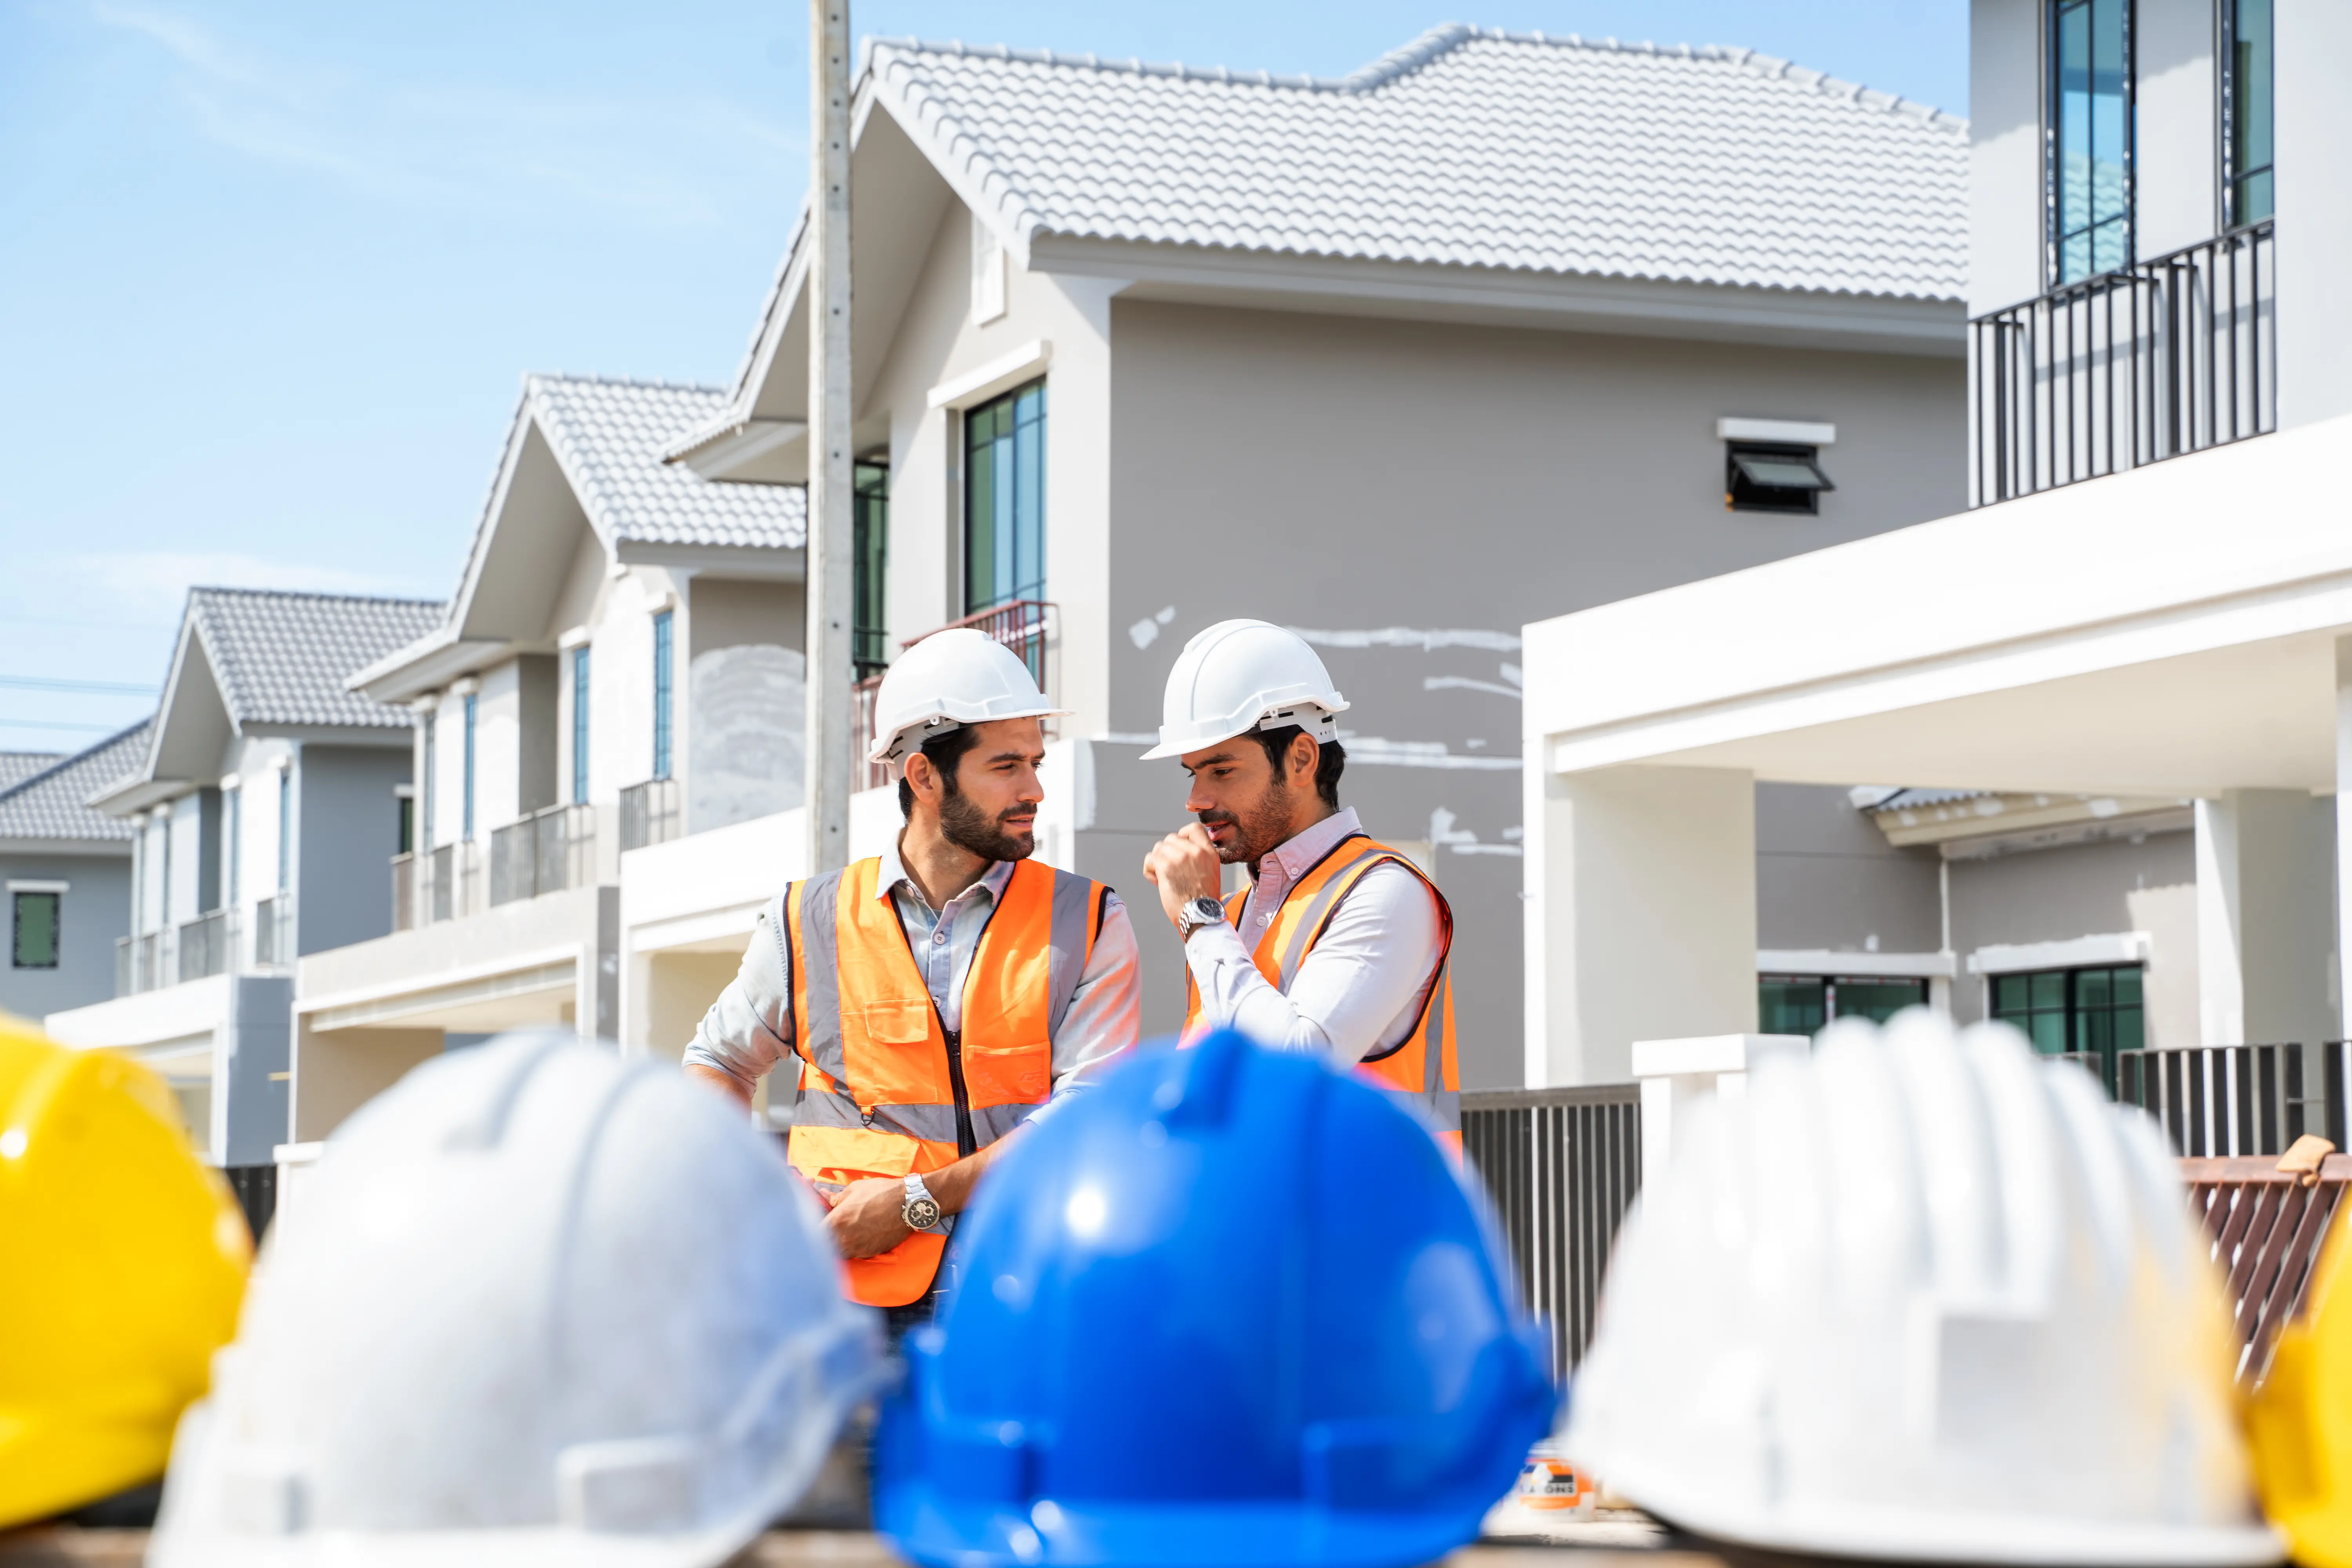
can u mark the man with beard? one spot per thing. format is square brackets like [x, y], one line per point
[1340, 944]
[936, 995]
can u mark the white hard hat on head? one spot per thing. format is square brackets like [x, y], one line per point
[537, 1305]
[1240, 676]
[948, 680]
[1919, 1296]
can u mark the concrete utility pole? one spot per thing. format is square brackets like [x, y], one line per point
[830, 558]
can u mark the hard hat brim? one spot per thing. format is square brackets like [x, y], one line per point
[886, 748]
[941, 1530]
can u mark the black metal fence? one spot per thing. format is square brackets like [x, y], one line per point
[1562, 1167]
[2146, 362]
[2219, 1100]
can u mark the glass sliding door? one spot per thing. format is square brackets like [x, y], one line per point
[2090, 138]
[1004, 499]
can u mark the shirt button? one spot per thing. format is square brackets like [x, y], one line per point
[939, 936]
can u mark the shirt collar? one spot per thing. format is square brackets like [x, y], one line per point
[894, 871]
[1298, 854]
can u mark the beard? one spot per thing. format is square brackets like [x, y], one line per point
[967, 827]
[1258, 828]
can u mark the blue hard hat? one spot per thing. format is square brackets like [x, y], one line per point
[1231, 1307]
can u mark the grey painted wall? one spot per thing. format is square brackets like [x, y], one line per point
[537, 687]
[1826, 877]
[746, 694]
[254, 1054]
[1353, 475]
[95, 911]
[349, 831]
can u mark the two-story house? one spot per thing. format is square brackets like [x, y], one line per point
[67, 871]
[620, 665]
[262, 804]
[1500, 324]
[2104, 708]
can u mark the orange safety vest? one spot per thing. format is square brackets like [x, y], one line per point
[884, 1090]
[1419, 1070]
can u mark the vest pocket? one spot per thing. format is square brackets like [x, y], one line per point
[1007, 1075]
[900, 1021]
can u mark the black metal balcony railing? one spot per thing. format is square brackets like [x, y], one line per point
[205, 944]
[2233, 1100]
[2149, 362]
[1025, 626]
[550, 850]
[649, 814]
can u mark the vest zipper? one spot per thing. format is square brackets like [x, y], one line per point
[967, 1140]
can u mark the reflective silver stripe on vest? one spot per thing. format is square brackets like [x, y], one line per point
[990, 1123]
[1072, 898]
[1304, 931]
[1432, 1031]
[821, 946]
[932, 1123]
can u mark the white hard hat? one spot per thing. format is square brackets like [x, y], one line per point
[1240, 676]
[1921, 1298]
[947, 680]
[539, 1306]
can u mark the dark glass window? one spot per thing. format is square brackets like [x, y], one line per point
[1004, 499]
[469, 765]
[579, 724]
[35, 929]
[285, 828]
[236, 835]
[2246, 105]
[1802, 1003]
[2076, 1012]
[1757, 476]
[2090, 137]
[661, 694]
[407, 808]
[870, 543]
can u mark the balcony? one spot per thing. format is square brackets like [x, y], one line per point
[138, 963]
[435, 885]
[273, 932]
[546, 852]
[1030, 627]
[204, 945]
[2153, 360]
[649, 814]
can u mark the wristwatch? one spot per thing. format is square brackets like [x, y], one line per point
[1196, 913]
[922, 1210]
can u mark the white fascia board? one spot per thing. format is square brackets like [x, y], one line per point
[720, 560]
[2080, 952]
[19, 885]
[1816, 637]
[1860, 966]
[1709, 1054]
[119, 848]
[1787, 431]
[138, 795]
[1736, 312]
[1002, 373]
[724, 455]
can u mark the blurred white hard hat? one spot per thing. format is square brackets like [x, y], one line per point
[544, 1306]
[947, 680]
[1921, 1298]
[1240, 676]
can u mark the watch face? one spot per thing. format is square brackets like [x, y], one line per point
[921, 1214]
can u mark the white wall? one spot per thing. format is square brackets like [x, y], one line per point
[2175, 157]
[2315, 205]
[2004, 153]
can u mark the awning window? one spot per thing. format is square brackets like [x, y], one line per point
[1773, 479]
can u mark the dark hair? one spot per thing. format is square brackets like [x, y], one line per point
[945, 752]
[1331, 760]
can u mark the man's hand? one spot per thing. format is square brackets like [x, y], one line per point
[1184, 866]
[868, 1216]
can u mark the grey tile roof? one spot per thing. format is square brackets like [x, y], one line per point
[282, 657]
[48, 803]
[1468, 147]
[610, 435]
[16, 768]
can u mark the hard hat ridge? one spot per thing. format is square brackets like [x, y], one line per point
[1243, 675]
[949, 680]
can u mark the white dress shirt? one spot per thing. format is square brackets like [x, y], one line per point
[748, 1029]
[1363, 984]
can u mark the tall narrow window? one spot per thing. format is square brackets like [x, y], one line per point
[870, 545]
[661, 694]
[579, 725]
[405, 806]
[468, 803]
[34, 943]
[1004, 499]
[2246, 108]
[234, 827]
[285, 829]
[2090, 138]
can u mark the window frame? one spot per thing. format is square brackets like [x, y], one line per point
[2071, 1011]
[870, 633]
[467, 802]
[233, 829]
[17, 900]
[2228, 109]
[1828, 985]
[664, 660]
[2052, 152]
[1741, 494]
[583, 681]
[285, 829]
[1032, 586]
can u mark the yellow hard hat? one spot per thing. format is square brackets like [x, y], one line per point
[122, 1260]
[2299, 1423]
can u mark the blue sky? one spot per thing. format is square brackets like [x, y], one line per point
[271, 274]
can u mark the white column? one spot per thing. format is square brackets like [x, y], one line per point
[1642, 915]
[2265, 917]
[1676, 1075]
[2340, 980]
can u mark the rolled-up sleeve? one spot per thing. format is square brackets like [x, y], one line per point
[750, 1028]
